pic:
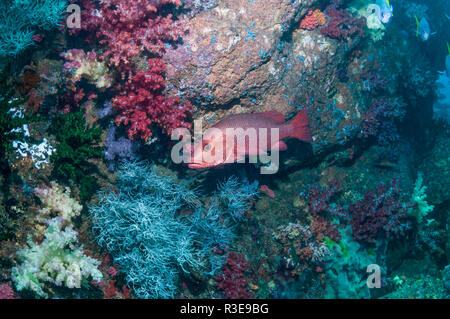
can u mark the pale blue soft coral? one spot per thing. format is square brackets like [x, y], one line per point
[215, 233]
[237, 197]
[216, 223]
[140, 228]
[154, 227]
[226, 208]
[19, 20]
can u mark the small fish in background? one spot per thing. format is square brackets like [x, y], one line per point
[386, 11]
[423, 29]
[298, 128]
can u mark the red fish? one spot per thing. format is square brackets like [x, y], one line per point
[214, 141]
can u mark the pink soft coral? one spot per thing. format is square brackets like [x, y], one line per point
[142, 103]
[233, 280]
[341, 24]
[130, 29]
[6, 292]
[313, 20]
[127, 27]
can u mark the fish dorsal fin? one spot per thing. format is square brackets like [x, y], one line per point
[274, 116]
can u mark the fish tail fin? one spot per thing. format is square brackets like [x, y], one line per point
[448, 48]
[299, 126]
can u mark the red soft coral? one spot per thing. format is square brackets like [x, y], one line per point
[131, 29]
[313, 20]
[6, 292]
[128, 27]
[381, 212]
[233, 280]
[341, 24]
[142, 103]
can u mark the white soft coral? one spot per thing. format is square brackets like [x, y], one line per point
[56, 199]
[58, 260]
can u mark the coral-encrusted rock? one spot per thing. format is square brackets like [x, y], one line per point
[230, 50]
[249, 56]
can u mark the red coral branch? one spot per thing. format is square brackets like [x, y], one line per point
[142, 103]
[233, 280]
[380, 213]
[341, 24]
[129, 28]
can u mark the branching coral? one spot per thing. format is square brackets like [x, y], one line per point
[12, 119]
[419, 197]
[130, 29]
[381, 212]
[142, 104]
[143, 226]
[127, 27]
[300, 248]
[313, 20]
[81, 64]
[38, 153]
[57, 260]
[118, 149]
[215, 233]
[14, 122]
[215, 224]
[319, 205]
[139, 227]
[237, 197]
[233, 280]
[380, 117]
[341, 24]
[6, 292]
[56, 199]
